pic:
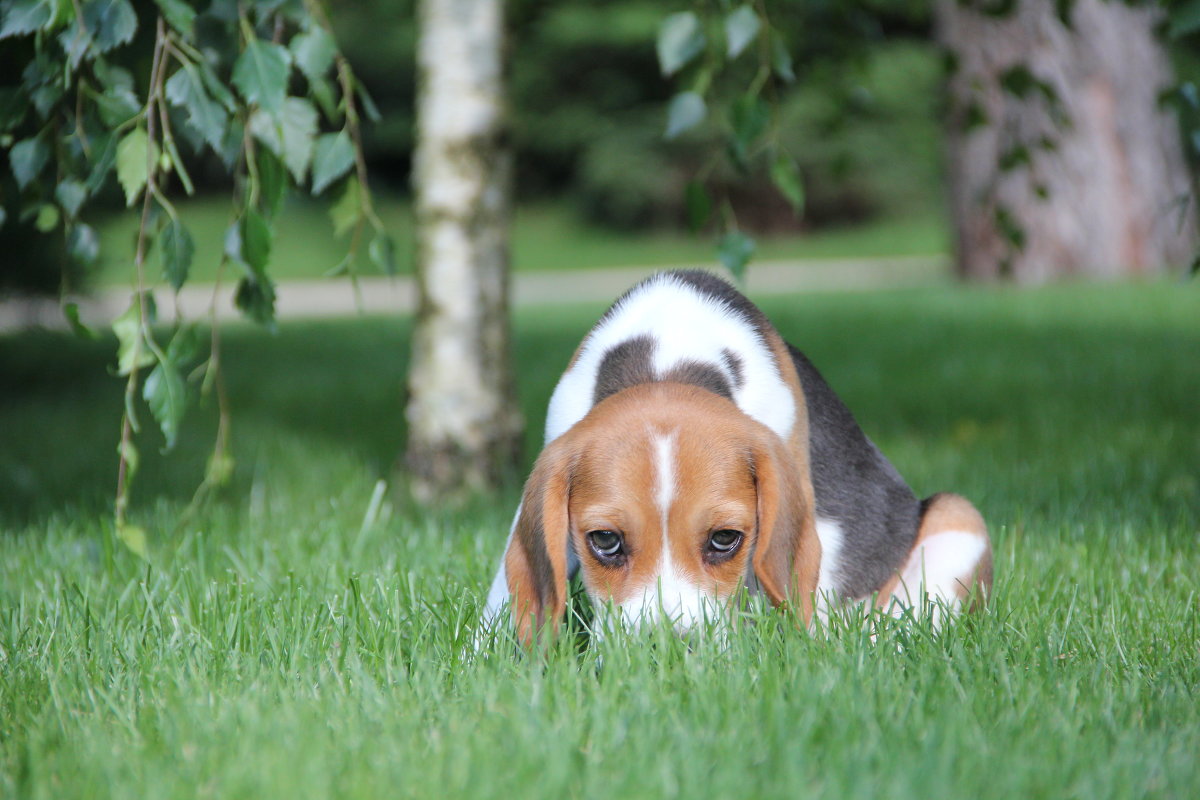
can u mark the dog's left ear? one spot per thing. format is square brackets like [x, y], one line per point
[787, 555]
[536, 561]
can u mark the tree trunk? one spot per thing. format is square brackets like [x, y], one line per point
[462, 422]
[1062, 160]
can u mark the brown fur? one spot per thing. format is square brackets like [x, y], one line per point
[733, 472]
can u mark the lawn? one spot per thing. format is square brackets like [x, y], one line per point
[282, 642]
[546, 237]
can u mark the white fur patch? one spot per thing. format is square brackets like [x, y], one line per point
[664, 487]
[831, 536]
[685, 326]
[939, 568]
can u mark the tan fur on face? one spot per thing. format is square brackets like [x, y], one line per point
[728, 471]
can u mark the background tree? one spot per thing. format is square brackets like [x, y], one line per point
[1063, 160]
[463, 427]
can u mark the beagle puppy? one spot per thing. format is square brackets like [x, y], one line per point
[690, 452]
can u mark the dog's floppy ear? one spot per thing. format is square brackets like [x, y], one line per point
[787, 555]
[536, 561]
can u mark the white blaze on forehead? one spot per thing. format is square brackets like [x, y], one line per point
[664, 479]
[669, 591]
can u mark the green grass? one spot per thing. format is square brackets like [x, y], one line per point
[546, 237]
[277, 647]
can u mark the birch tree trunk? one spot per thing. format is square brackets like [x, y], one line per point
[462, 422]
[1062, 159]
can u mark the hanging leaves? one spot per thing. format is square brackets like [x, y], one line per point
[260, 74]
[680, 39]
[741, 27]
[686, 111]
[217, 78]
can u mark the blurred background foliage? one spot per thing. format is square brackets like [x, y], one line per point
[588, 106]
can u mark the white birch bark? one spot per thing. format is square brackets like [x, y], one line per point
[463, 427]
[1099, 185]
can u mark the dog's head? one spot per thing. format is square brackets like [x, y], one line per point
[672, 498]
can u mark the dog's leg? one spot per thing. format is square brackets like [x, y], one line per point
[950, 566]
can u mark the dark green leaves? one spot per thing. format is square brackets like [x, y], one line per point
[166, 395]
[22, 17]
[176, 250]
[786, 177]
[109, 22]
[289, 134]
[748, 119]
[70, 195]
[741, 27]
[686, 111]
[734, 251]
[261, 73]
[256, 241]
[179, 15]
[27, 159]
[383, 253]
[680, 39]
[333, 158]
[1184, 19]
[185, 90]
[699, 206]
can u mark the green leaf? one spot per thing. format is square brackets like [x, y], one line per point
[261, 72]
[83, 245]
[117, 105]
[272, 181]
[71, 313]
[14, 106]
[313, 51]
[383, 253]
[219, 91]
[734, 250]
[749, 116]
[256, 299]
[176, 249]
[110, 22]
[347, 208]
[47, 218]
[741, 27]
[104, 156]
[185, 89]
[23, 17]
[134, 538]
[166, 395]
[786, 177]
[27, 159]
[1184, 19]
[781, 59]
[685, 111]
[255, 241]
[699, 205]
[70, 194]
[289, 134]
[179, 15]
[132, 350]
[334, 156]
[133, 160]
[680, 39]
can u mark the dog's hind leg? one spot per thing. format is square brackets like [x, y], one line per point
[950, 565]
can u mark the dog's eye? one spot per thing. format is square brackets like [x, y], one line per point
[724, 541]
[608, 545]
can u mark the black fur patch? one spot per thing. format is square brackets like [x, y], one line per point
[697, 373]
[627, 364]
[631, 363]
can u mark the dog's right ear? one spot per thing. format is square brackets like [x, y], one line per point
[536, 561]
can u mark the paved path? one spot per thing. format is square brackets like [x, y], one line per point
[337, 298]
